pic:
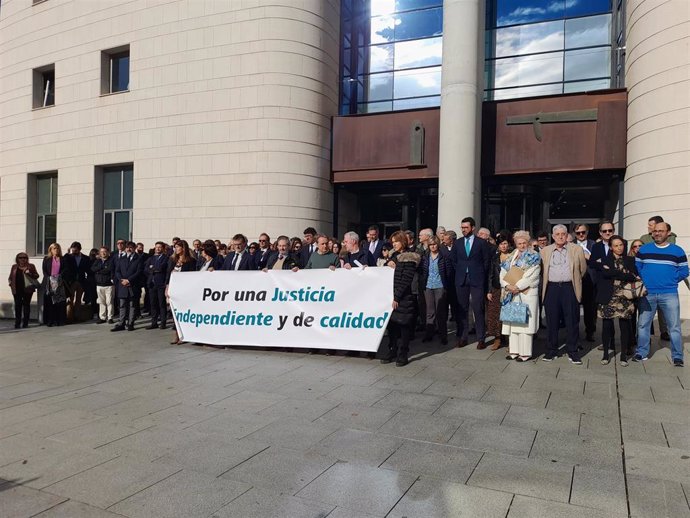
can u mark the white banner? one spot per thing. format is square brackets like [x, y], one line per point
[320, 309]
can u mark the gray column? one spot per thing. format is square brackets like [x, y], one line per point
[459, 188]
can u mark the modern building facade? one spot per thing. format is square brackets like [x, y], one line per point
[203, 118]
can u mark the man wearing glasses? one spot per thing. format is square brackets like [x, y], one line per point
[589, 304]
[263, 253]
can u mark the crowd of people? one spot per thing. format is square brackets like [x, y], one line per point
[504, 282]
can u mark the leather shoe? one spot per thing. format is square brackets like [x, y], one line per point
[152, 326]
[117, 328]
[590, 338]
[461, 342]
[163, 326]
[401, 362]
[481, 345]
[130, 327]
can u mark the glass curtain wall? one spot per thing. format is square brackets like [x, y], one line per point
[391, 51]
[547, 47]
[390, 55]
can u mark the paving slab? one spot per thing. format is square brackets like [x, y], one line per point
[358, 446]
[295, 434]
[525, 507]
[182, 495]
[403, 383]
[360, 488]
[435, 460]
[657, 497]
[542, 419]
[74, 509]
[659, 462]
[529, 477]
[308, 409]
[594, 452]
[601, 489]
[356, 394]
[489, 437]
[633, 430]
[280, 469]
[457, 389]
[113, 481]
[413, 425]
[410, 401]
[18, 501]
[517, 396]
[436, 499]
[261, 503]
[465, 408]
[359, 417]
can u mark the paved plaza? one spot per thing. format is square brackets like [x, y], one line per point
[96, 424]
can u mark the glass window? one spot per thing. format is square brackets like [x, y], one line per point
[418, 24]
[382, 29]
[112, 190]
[119, 72]
[46, 212]
[407, 5]
[587, 32]
[526, 70]
[118, 193]
[379, 7]
[514, 12]
[529, 39]
[416, 83]
[375, 107]
[48, 88]
[418, 53]
[525, 91]
[381, 58]
[584, 7]
[587, 63]
[127, 188]
[417, 102]
[587, 86]
[380, 87]
[122, 225]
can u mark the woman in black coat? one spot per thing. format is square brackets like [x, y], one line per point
[59, 271]
[404, 303]
[614, 271]
[181, 261]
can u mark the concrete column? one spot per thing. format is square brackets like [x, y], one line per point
[459, 188]
[657, 178]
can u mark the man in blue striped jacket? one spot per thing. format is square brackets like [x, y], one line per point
[662, 265]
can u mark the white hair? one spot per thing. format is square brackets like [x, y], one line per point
[440, 229]
[352, 236]
[521, 234]
[484, 229]
[559, 227]
[427, 231]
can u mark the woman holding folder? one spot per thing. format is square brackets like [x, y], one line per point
[520, 280]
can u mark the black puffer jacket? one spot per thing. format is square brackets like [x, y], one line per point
[495, 271]
[406, 265]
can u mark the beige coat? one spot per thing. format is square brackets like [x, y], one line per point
[578, 267]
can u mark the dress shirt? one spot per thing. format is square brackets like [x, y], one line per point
[559, 266]
[372, 246]
[583, 245]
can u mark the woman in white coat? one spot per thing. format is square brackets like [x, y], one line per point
[526, 266]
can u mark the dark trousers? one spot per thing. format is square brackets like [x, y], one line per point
[477, 295]
[625, 326]
[589, 305]
[127, 314]
[22, 307]
[453, 303]
[54, 314]
[560, 303]
[159, 309]
[398, 340]
[136, 302]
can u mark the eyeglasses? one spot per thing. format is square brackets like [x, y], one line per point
[263, 240]
[23, 257]
[607, 231]
[581, 232]
[635, 246]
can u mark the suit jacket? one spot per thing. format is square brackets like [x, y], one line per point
[156, 270]
[130, 269]
[373, 257]
[68, 268]
[246, 262]
[83, 268]
[261, 258]
[289, 263]
[472, 270]
[103, 271]
[578, 267]
[305, 254]
[606, 277]
[362, 256]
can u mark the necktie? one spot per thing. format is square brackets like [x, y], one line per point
[234, 261]
[468, 246]
[281, 257]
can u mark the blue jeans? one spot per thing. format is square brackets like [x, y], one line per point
[669, 305]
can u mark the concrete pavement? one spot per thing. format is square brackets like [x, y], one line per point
[97, 424]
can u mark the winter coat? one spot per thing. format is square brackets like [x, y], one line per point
[445, 269]
[406, 265]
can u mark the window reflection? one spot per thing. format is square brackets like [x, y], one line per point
[529, 39]
[525, 91]
[412, 83]
[587, 63]
[418, 24]
[382, 28]
[418, 53]
[420, 102]
[380, 87]
[586, 86]
[584, 7]
[525, 70]
[514, 12]
[589, 31]
[381, 58]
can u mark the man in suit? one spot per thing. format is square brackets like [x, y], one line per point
[374, 244]
[308, 246]
[564, 266]
[471, 260]
[589, 304]
[128, 271]
[281, 259]
[240, 258]
[264, 252]
[156, 272]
